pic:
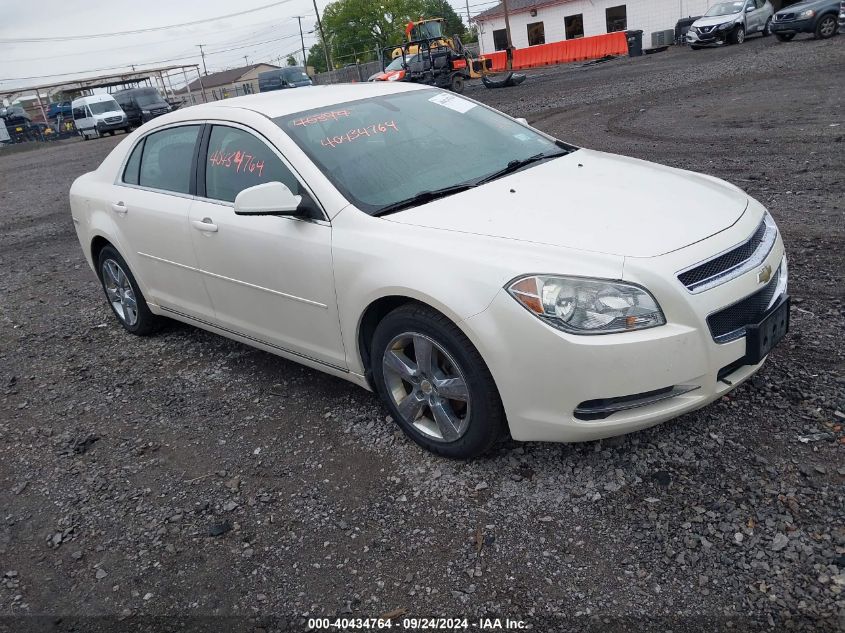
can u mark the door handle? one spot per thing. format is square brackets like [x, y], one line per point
[119, 207]
[205, 225]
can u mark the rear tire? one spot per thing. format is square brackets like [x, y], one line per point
[826, 27]
[457, 83]
[123, 294]
[767, 30]
[435, 383]
[784, 37]
[694, 47]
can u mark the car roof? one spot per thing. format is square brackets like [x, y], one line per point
[283, 102]
[94, 99]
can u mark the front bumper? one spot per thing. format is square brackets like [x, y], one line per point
[794, 26]
[104, 126]
[714, 38]
[549, 380]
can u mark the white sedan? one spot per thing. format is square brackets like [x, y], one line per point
[478, 274]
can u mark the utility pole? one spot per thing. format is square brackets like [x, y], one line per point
[246, 60]
[508, 32]
[323, 37]
[302, 39]
[469, 19]
[202, 53]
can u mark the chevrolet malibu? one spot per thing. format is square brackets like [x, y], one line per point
[479, 275]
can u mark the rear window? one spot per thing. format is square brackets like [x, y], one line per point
[133, 165]
[167, 158]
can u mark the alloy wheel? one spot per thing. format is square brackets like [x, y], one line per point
[427, 387]
[740, 35]
[827, 27]
[120, 293]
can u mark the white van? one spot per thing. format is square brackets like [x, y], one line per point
[97, 114]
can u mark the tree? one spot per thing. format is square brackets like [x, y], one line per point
[317, 58]
[355, 29]
[291, 61]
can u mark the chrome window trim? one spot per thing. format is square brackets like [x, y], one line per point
[757, 258]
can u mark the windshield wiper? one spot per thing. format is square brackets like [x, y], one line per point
[517, 164]
[422, 197]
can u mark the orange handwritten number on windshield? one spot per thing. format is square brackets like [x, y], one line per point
[241, 161]
[355, 134]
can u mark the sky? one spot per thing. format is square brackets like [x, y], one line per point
[266, 35]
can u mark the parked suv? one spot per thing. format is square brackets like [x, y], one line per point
[730, 22]
[141, 104]
[818, 17]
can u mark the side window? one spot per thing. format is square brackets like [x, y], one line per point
[79, 112]
[167, 157]
[133, 165]
[238, 160]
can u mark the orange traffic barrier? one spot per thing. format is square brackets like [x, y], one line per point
[562, 52]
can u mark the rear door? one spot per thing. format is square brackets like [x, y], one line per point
[150, 204]
[270, 278]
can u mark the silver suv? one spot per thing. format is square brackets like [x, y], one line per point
[731, 22]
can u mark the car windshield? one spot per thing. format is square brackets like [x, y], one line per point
[292, 75]
[148, 97]
[387, 149]
[101, 107]
[396, 64]
[724, 8]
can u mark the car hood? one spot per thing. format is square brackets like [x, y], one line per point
[717, 19]
[591, 201]
[803, 6]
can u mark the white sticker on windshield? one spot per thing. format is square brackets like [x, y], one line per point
[452, 102]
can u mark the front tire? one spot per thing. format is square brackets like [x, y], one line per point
[784, 37]
[738, 35]
[457, 83]
[123, 294]
[694, 47]
[435, 383]
[826, 27]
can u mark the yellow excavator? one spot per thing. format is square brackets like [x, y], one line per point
[430, 30]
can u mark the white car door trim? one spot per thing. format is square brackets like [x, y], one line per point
[316, 304]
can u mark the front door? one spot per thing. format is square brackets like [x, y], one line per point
[270, 278]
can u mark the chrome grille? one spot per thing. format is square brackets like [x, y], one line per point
[729, 323]
[732, 263]
[784, 17]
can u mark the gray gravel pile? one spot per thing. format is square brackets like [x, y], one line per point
[185, 475]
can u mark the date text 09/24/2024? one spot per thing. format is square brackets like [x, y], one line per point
[416, 624]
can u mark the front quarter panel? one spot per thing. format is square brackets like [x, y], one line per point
[456, 273]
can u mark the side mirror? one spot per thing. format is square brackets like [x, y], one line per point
[749, 9]
[271, 198]
[522, 120]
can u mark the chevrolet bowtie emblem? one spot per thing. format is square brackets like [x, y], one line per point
[764, 274]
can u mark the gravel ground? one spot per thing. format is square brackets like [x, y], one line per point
[187, 476]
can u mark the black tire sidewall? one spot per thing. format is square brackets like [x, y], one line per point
[486, 413]
[819, 27]
[147, 321]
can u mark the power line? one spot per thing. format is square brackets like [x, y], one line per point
[162, 61]
[67, 38]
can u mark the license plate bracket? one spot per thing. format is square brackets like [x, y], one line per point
[761, 338]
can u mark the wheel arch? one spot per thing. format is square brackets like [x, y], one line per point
[380, 307]
[98, 243]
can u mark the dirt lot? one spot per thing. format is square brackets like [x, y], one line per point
[147, 480]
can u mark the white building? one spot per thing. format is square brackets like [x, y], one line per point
[539, 22]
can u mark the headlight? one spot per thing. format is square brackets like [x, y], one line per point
[726, 26]
[587, 306]
[806, 14]
[145, 111]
